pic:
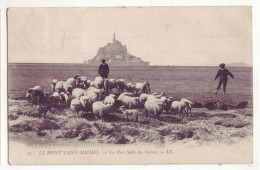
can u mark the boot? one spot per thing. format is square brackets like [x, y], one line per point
[216, 92]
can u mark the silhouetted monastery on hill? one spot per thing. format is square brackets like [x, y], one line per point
[116, 54]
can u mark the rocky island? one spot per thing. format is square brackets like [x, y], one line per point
[116, 54]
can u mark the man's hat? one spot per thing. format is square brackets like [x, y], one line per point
[222, 65]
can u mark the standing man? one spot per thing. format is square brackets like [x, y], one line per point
[223, 77]
[103, 70]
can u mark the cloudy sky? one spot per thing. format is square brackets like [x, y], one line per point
[161, 35]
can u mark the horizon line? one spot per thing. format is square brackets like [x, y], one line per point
[140, 65]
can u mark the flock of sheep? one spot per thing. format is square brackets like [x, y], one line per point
[83, 95]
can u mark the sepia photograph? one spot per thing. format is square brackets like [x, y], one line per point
[130, 85]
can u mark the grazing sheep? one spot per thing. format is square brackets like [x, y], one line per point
[64, 99]
[143, 97]
[43, 110]
[99, 82]
[109, 84]
[129, 112]
[77, 93]
[130, 87]
[76, 106]
[55, 99]
[120, 85]
[154, 107]
[110, 99]
[129, 102]
[101, 110]
[53, 84]
[143, 87]
[178, 106]
[188, 105]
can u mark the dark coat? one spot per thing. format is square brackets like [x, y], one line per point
[223, 74]
[103, 70]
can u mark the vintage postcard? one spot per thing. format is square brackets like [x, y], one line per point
[130, 85]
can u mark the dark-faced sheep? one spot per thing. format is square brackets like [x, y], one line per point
[109, 85]
[120, 85]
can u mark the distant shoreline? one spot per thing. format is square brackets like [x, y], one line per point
[81, 64]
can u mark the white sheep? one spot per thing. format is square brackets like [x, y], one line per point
[129, 102]
[77, 93]
[110, 99]
[109, 85]
[188, 105]
[76, 106]
[178, 106]
[143, 87]
[154, 107]
[120, 85]
[143, 97]
[129, 112]
[99, 82]
[101, 110]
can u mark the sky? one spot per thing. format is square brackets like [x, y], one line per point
[182, 36]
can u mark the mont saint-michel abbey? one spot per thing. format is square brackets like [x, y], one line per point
[116, 54]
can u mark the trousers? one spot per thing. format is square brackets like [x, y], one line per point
[224, 82]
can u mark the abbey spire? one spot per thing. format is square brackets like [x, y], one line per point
[114, 39]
